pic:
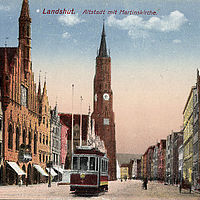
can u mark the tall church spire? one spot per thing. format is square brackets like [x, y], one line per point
[103, 114]
[103, 49]
[25, 37]
[25, 10]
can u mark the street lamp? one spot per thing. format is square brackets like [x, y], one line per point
[25, 155]
[49, 166]
[72, 129]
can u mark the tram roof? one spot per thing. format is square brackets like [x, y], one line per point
[88, 150]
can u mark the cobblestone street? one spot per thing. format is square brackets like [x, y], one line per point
[130, 189]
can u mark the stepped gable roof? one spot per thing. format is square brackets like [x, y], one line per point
[66, 118]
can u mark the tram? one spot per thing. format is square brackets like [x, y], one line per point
[89, 171]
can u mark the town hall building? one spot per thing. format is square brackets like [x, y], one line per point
[26, 113]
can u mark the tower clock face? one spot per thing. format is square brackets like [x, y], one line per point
[95, 97]
[106, 96]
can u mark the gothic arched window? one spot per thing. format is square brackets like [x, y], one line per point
[43, 139]
[106, 111]
[24, 136]
[29, 137]
[35, 144]
[47, 140]
[17, 138]
[40, 138]
[10, 137]
[40, 109]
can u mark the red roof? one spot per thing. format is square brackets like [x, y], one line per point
[89, 151]
[67, 120]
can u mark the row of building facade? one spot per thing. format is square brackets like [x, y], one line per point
[128, 166]
[33, 136]
[177, 157]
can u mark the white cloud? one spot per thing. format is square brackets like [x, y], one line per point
[4, 8]
[138, 27]
[138, 33]
[70, 20]
[66, 35]
[176, 41]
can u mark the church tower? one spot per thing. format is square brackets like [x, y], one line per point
[25, 38]
[103, 104]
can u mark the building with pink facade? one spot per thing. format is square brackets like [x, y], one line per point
[64, 136]
[66, 118]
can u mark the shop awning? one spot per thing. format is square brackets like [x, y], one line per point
[52, 172]
[59, 169]
[39, 169]
[17, 169]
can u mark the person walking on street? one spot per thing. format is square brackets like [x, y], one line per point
[125, 177]
[145, 183]
[27, 181]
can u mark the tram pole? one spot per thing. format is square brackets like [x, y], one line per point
[81, 122]
[72, 129]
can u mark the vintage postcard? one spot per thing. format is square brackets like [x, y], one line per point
[99, 99]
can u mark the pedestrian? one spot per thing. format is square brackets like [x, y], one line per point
[145, 183]
[125, 177]
[26, 182]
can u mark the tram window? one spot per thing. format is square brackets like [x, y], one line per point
[84, 163]
[75, 162]
[92, 163]
[106, 165]
[102, 166]
[97, 165]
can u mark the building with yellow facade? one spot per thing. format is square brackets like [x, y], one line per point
[124, 169]
[196, 134]
[142, 166]
[188, 137]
